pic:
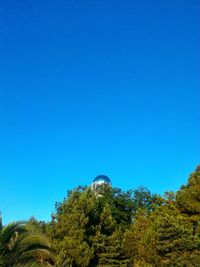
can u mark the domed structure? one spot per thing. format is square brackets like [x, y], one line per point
[102, 179]
[99, 181]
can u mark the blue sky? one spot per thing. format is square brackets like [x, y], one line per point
[96, 87]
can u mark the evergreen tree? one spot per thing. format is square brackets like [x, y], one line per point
[121, 204]
[107, 242]
[139, 241]
[113, 254]
[70, 228]
[174, 236]
[85, 231]
[188, 197]
[143, 199]
[163, 238]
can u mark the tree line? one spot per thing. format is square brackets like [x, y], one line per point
[133, 228]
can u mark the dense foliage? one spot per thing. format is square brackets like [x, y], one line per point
[129, 229]
[22, 245]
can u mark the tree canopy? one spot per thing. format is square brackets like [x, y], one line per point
[133, 228]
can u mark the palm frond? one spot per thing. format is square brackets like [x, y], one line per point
[21, 246]
[8, 231]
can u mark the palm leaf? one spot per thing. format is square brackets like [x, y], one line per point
[25, 247]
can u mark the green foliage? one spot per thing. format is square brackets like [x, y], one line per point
[112, 228]
[139, 240]
[174, 236]
[85, 227]
[107, 242]
[70, 228]
[112, 253]
[168, 235]
[21, 245]
[188, 197]
[143, 199]
[120, 203]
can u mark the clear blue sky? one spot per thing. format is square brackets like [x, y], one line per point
[96, 87]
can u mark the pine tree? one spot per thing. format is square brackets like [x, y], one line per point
[112, 254]
[139, 241]
[188, 197]
[174, 236]
[70, 227]
[107, 242]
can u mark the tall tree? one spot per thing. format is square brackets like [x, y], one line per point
[139, 241]
[120, 202]
[174, 236]
[107, 242]
[71, 228]
[188, 197]
[162, 238]
[86, 226]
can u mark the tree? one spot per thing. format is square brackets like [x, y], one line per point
[162, 238]
[142, 198]
[85, 228]
[22, 246]
[138, 242]
[188, 198]
[71, 228]
[124, 205]
[120, 203]
[174, 236]
[107, 242]
[112, 255]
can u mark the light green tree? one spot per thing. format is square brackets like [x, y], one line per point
[188, 197]
[72, 227]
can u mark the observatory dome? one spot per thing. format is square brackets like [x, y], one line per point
[99, 181]
[102, 179]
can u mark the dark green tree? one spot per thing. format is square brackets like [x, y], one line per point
[85, 226]
[120, 203]
[174, 236]
[107, 242]
[142, 198]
